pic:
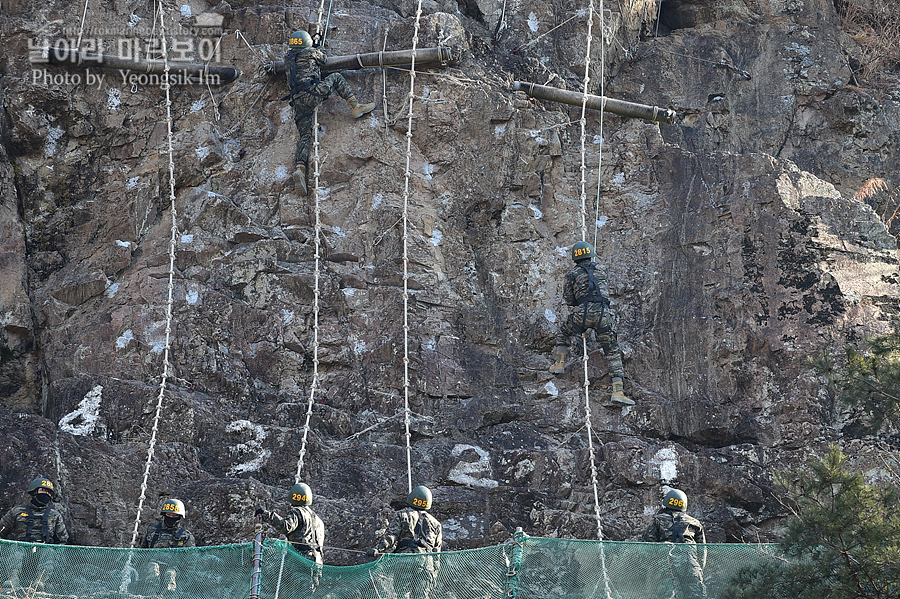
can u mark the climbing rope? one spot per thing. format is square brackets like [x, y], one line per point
[587, 383]
[171, 286]
[409, 123]
[318, 231]
[604, 36]
[81, 31]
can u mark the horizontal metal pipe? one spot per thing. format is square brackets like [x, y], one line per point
[373, 60]
[212, 75]
[620, 107]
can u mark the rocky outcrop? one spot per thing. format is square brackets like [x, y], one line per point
[735, 252]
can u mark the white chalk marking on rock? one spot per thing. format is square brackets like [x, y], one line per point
[86, 414]
[113, 99]
[474, 474]
[667, 461]
[124, 339]
[252, 447]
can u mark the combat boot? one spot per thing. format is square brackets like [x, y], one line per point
[300, 180]
[618, 393]
[357, 109]
[559, 354]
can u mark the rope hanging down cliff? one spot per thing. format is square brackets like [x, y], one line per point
[171, 286]
[318, 231]
[409, 124]
[587, 383]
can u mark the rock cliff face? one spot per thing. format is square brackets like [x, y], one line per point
[734, 245]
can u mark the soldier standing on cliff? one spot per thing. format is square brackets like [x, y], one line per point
[303, 66]
[302, 527]
[587, 288]
[673, 525]
[34, 522]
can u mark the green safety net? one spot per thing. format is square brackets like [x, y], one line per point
[523, 568]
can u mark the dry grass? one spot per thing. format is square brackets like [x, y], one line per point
[875, 25]
[878, 194]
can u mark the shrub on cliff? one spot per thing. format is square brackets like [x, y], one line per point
[842, 540]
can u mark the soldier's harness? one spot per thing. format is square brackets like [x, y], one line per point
[417, 542]
[45, 525]
[180, 534]
[306, 548]
[678, 529]
[298, 86]
[593, 296]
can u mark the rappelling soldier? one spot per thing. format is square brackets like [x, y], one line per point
[302, 527]
[587, 288]
[673, 525]
[168, 533]
[37, 521]
[303, 67]
[414, 530]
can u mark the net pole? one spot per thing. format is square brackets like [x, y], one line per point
[257, 560]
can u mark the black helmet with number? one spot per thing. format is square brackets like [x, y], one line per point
[173, 507]
[41, 483]
[675, 500]
[582, 251]
[301, 494]
[300, 39]
[419, 498]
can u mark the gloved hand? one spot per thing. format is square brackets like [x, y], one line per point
[260, 512]
[372, 552]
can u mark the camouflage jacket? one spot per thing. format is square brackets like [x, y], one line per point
[675, 527]
[308, 64]
[577, 285]
[412, 531]
[160, 536]
[303, 528]
[27, 522]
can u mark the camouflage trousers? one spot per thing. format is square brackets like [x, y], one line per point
[686, 573]
[156, 578]
[593, 316]
[26, 566]
[305, 102]
[315, 570]
[415, 579]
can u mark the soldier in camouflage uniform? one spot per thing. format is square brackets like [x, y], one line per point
[34, 522]
[302, 527]
[303, 64]
[168, 533]
[673, 525]
[414, 530]
[587, 288]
